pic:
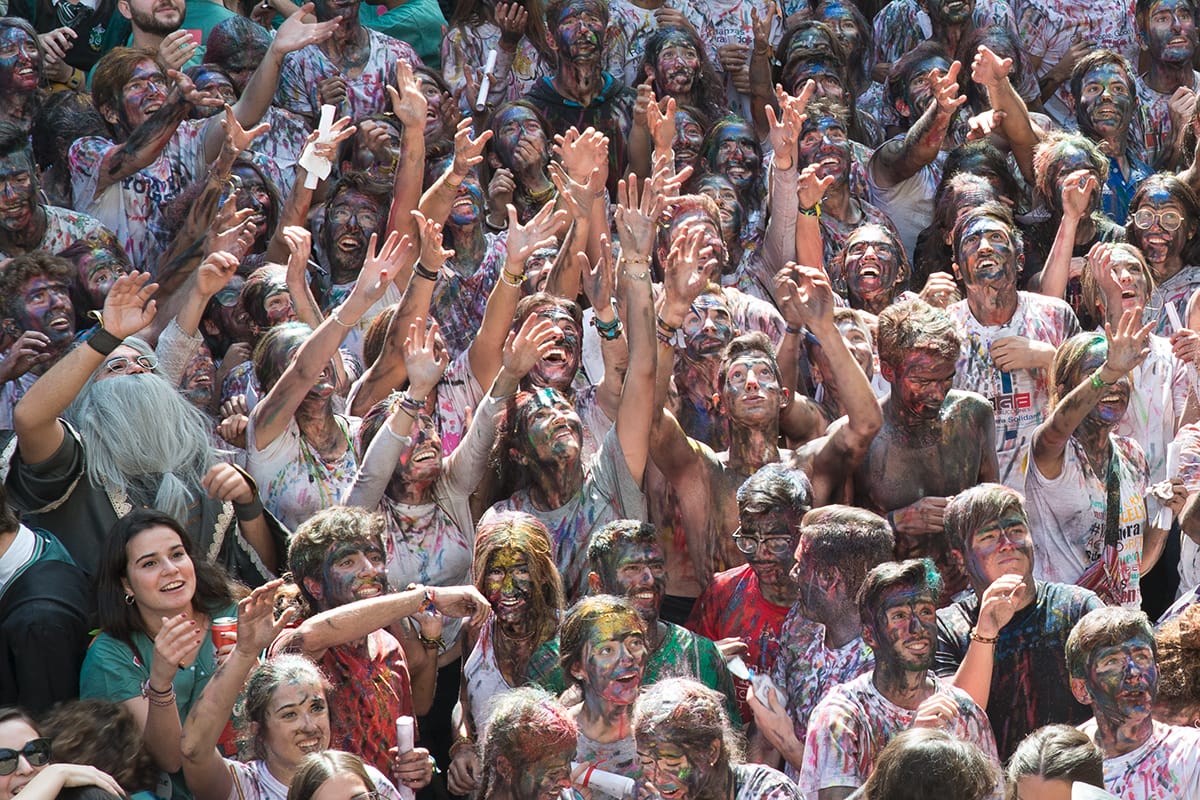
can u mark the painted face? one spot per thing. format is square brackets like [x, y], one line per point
[545, 777]
[296, 724]
[752, 389]
[1035, 787]
[242, 63]
[872, 263]
[676, 774]
[422, 461]
[20, 61]
[508, 585]
[353, 571]
[434, 102]
[351, 219]
[344, 10]
[278, 304]
[1112, 405]
[1171, 31]
[1001, 547]
[15, 734]
[1122, 680]
[904, 629]
[537, 268]
[554, 432]
[252, 193]
[1155, 241]
[1071, 159]
[159, 572]
[580, 32]
[858, 342]
[613, 657]
[196, 383]
[640, 569]
[921, 382]
[689, 137]
[48, 309]
[157, 17]
[729, 206]
[824, 141]
[209, 80]
[826, 78]
[515, 125]
[707, 327]
[816, 602]
[1131, 277]
[343, 786]
[18, 192]
[737, 156]
[918, 93]
[837, 16]
[142, 95]
[557, 368]
[771, 561]
[97, 270]
[988, 255]
[950, 12]
[227, 314]
[676, 67]
[1105, 103]
[809, 39]
[468, 204]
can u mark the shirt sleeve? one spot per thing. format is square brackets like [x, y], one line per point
[84, 159]
[831, 749]
[111, 671]
[953, 640]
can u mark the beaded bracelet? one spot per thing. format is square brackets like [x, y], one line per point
[609, 331]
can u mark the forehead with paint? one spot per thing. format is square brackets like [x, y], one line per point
[18, 189]
[950, 12]
[1168, 29]
[986, 248]
[513, 124]
[734, 152]
[20, 59]
[676, 63]
[869, 248]
[1104, 98]
[823, 141]
[841, 18]
[912, 89]
[825, 74]
[578, 26]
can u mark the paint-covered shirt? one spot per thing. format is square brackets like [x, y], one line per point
[1067, 517]
[366, 93]
[1166, 767]
[852, 725]
[254, 781]
[1020, 398]
[64, 227]
[1160, 387]
[468, 45]
[1188, 442]
[485, 680]
[459, 300]
[635, 24]
[760, 782]
[733, 605]
[609, 492]
[1159, 132]
[908, 203]
[458, 392]
[806, 669]
[1030, 683]
[1176, 291]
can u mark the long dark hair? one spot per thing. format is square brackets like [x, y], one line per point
[121, 620]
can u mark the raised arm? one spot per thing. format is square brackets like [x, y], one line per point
[409, 106]
[468, 153]
[897, 161]
[1127, 347]
[1077, 192]
[991, 72]
[127, 309]
[996, 609]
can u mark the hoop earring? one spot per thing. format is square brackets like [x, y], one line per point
[129, 600]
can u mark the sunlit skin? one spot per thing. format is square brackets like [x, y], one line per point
[774, 571]
[920, 384]
[713, 231]
[144, 93]
[558, 366]
[732, 213]
[988, 265]
[689, 136]
[554, 431]
[872, 269]
[707, 328]
[823, 141]
[14, 734]
[420, 465]
[903, 634]
[1129, 274]
[1093, 432]
[539, 779]
[1001, 547]
[1067, 160]
[1163, 249]
[159, 574]
[1105, 104]
[508, 587]
[578, 39]
[1035, 787]
[352, 571]
[859, 342]
[1171, 31]
[639, 571]
[296, 724]
[1121, 684]
[752, 391]
[613, 658]
[278, 303]
[434, 100]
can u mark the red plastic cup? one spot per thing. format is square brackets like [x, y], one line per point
[224, 631]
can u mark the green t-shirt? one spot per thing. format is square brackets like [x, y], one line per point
[420, 23]
[682, 654]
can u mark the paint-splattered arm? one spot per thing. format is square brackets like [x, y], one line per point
[409, 106]
[992, 72]
[897, 161]
[468, 152]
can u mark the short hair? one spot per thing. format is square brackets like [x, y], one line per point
[756, 343]
[923, 762]
[1064, 369]
[1093, 295]
[267, 677]
[1058, 752]
[234, 35]
[528, 534]
[776, 487]
[102, 734]
[1105, 627]
[899, 76]
[524, 725]
[578, 623]
[14, 140]
[983, 159]
[946, 200]
[903, 265]
[541, 301]
[316, 535]
[555, 8]
[688, 715]
[35, 264]
[851, 540]
[1096, 58]
[1178, 641]
[360, 181]
[992, 210]
[973, 508]
[602, 546]
[915, 325]
[821, 107]
[316, 768]
[917, 573]
[10, 521]
[1047, 163]
[113, 71]
[1141, 12]
[58, 122]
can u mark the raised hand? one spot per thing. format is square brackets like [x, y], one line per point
[57, 42]
[468, 152]
[689, 263]
[660, 118]
[380, 265]
[299, 245]
[175, 647]
[1129, 345]
[576, 195]
[237, 138]
[511, 19]
[214, 272]
[645, 99]
[525, 347]
[998, 604]
[989, 69]
[811, 188]
[1078, 189]
[599, 279]
[408, 101]
[806, 295]
[525, 240]
[295, 34]
[945, 89]
[226, 482]
[1100, 262]
[425, 358]
[128, 307]
[500, 190]
[582, 154]
[257, 627]
[176, 49]
[636, 217]
[231, 229]
[433, 253]
[25, 354]
[190, 94]
[784, 128]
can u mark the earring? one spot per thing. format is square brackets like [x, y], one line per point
[128, 599]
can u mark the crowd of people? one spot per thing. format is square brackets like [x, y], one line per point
[599, 399]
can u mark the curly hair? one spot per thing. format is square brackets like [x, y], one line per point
[104, 735]
[690, 716]
[19, 270]
[525, 725]
[1178, 662]
[316, 537]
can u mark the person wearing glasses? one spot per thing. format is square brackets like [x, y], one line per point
[25, 763]
[1162, 224]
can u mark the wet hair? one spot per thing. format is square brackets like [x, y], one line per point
[316, 768]
[1064, 370]
[707, 93]
[1047, 164]
[688, 715]
[275, 351]
[1053, 752]
[914, 325]
[526, 533]
[849, 539]
[255, 293]
[317, 536]
[1178, 661]
[775, 488]
[113, 71]
[922, 762]
[579, 622]
[603, 544]
[1093, 296]
[1097, 58]
[35, 264]
[753, 343]
[121, 620]
[902, 71]
[102, 734]
[525, 725]
[1105, 627]
[980, 505]
[264, 681]
[919, 574]
[996, 211]
[1181, 193]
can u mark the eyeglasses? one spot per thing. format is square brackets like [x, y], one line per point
[777, 546]
[120, 364]
[342, 215]
[1169, 220]
[36, 752]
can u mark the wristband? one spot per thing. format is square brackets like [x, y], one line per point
[1100, 383]
[429, 643]
[511, 278]
[148, 690]
[335, 316]
[609, 331]
[422, 271]
[815, 211]
[460, 742]
[76, 79]
[249, 511]
[975, 637]
[103, 341]
[793, 331]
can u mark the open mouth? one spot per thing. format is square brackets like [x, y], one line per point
[737, 173]
[60, 322]
[371, 589]
[348, 244]
[425, 454]
[309, 745]
[151, 107]
[173, 586]
[918, 646]
[557, 356]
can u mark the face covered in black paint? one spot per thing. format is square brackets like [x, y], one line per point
[579, 33]
[350, 220]
[735, 155]
[20, 62]
[18, 192]
[676, 67]
[1104, 106]
[1170, 31]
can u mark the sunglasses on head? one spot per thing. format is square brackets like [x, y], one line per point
[36, 752]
